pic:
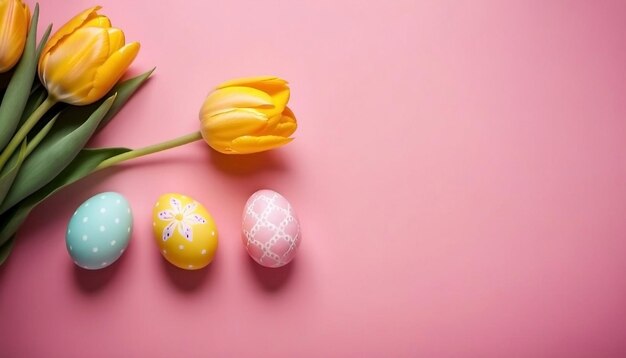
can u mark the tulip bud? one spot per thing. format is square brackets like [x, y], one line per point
[14, 22]
[248, 115]
[84, 59]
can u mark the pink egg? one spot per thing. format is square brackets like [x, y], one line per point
[271, 230]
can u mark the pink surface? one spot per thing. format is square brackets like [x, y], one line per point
[459, 174]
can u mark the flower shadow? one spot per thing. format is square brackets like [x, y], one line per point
[243, 165]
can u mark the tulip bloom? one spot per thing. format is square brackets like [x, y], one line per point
[241, 116]
[84, 59]
[248, 115]
[80, 63]
[14, 22]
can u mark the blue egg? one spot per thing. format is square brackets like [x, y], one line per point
[99, 231]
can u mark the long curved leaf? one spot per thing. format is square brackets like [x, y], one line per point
[70, 119]
[124, 91]
[83, 165]
[17, 92]
[54, 153]
[36, 98]
[41, 134]
[9, 172]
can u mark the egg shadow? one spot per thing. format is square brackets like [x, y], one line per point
[243, 165]
[94, 281]
[188, 280]
[272, 279]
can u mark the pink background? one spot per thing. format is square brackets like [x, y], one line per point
[459, 173]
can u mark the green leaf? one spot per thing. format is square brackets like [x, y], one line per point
[124, 91]
[54, 153]
[35, 100]
[43, 41]
[5, 250]
[83, 165]
[9, 172]
[19, 87]
[70, 119]
[33, 143]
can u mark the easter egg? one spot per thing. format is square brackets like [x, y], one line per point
[99, 231]
[270, 229]
[184, 231]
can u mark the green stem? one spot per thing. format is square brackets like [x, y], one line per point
[136, 153]
[25, 128]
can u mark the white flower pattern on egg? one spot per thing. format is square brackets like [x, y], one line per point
[181, 218]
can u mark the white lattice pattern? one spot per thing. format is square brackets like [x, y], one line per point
[271, 229]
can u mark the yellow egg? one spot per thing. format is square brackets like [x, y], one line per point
[184, 231]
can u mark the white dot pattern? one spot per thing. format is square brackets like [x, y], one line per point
[98, 231]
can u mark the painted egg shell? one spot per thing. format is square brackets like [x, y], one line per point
[99, 231]
[184, 231]
[271, 230]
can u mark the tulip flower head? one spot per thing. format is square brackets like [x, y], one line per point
[84, 59]
[248, 115]
[14, 22]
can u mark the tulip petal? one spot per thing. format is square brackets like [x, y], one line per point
[250, 144]
[248, 81]
[272, 123]
[111, 71]
[277, 88]
[69, 27]
[274, 86]
[14, 22]
[287, 125]
[233, 123]
[286, 129]
[234, 97]
[70, 69]
[98, 21]
[116, 40]
[282, 125]
[222, 146]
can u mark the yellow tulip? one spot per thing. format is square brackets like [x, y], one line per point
[84, 59]
[241, 116]
[14, 22]
[248, 115]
